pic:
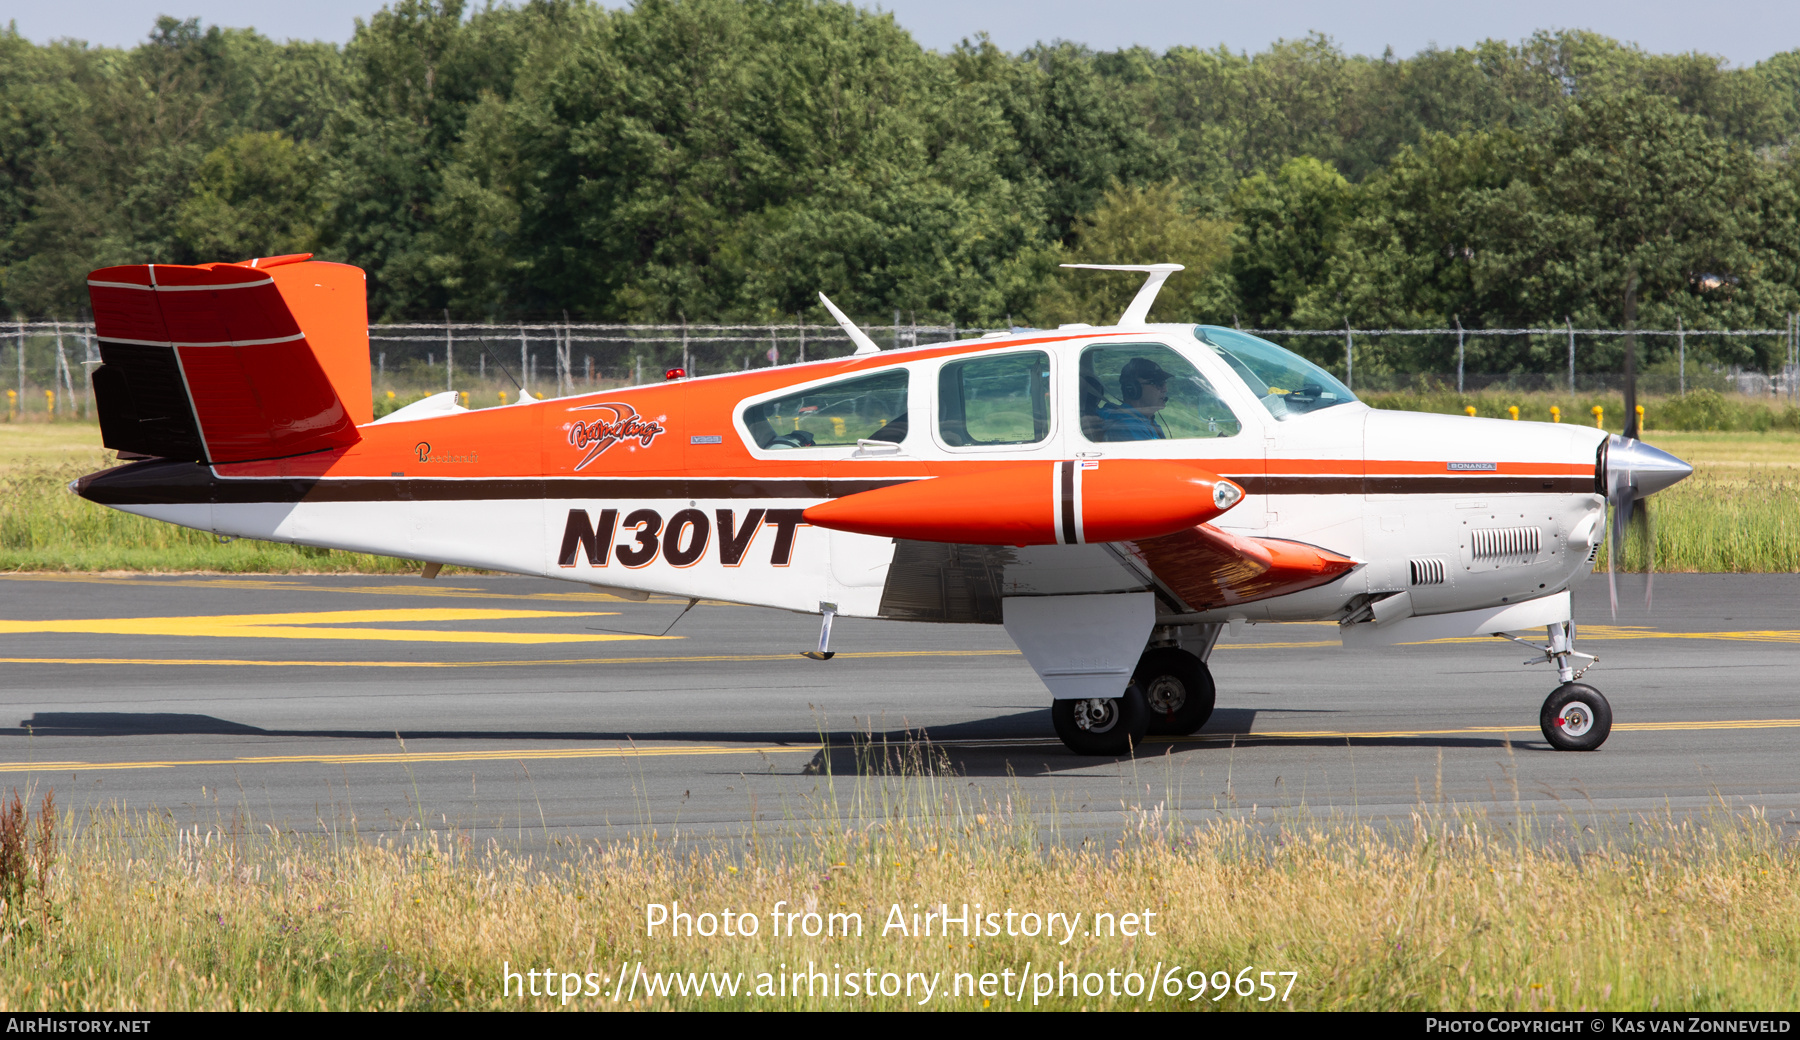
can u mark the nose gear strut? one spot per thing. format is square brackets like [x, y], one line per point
[1575, 717]
[1558, 652]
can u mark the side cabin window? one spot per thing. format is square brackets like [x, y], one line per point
[1147, 392]
[995, 400]
[871, 407]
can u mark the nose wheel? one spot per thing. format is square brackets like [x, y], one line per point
[1575, 718]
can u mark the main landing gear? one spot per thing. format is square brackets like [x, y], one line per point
[1575, 717]
[1171, 694]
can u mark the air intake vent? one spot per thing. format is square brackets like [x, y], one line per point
[1428, 572]
[1503, 542]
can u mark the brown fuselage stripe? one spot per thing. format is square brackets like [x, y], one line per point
[163, 483]
[1379, 484]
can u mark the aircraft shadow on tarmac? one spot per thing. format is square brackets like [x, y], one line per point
[983, 747]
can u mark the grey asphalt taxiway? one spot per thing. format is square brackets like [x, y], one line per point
[515, 708]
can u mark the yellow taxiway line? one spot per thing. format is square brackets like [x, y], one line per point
[409, 757]
[694, 750]
[301, 625]
[280, 585]
[137, 627]
[694, 659]
[1332, 734]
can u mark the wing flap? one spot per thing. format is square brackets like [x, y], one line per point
[1209, 568]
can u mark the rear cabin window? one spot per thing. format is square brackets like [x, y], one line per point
[864, 408]
[1147, 392]
[995, 400]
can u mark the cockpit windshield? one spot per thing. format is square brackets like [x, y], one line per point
[1287, 384]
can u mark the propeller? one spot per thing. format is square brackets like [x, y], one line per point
[1635, 471]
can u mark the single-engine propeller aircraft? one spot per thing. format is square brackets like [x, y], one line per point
[1113, 496]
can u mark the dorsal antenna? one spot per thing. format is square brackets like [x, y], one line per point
[1140, 304]
[864, 345]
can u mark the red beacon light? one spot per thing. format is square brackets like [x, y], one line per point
[675, 373]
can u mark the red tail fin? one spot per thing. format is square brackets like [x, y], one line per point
[230, 362]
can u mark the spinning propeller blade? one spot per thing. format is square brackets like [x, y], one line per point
[1634, 472]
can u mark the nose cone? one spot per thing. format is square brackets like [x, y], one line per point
[1643, 469]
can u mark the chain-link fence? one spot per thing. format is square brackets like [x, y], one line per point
[48, 363]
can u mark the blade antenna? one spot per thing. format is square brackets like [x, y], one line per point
[502, 364]
[1139, 309]
[864, 345]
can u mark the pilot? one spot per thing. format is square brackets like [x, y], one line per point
[1143, 387]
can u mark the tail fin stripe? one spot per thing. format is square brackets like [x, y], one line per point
[209, 343]
[215, 287]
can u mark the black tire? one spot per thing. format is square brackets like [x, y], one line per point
[1120, 726]
[1575, 718]
[1178, 691]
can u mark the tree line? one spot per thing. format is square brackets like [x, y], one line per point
[708, 160]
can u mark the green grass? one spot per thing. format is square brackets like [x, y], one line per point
[46, 527]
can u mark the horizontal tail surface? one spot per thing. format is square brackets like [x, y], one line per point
[229, 362]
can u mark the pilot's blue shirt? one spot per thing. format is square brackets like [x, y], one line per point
[1129, 424]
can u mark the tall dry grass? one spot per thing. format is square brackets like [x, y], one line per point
[1452, 909]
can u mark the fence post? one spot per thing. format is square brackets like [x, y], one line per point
[687, 363]
[1459, 351]
[801, 321]
[1571, 323]
[565, 359]
[449, 354]
[21, 364]
[61, 374]
[524, 361]
[1349, 359]
[774, 348]
[896, 328]
[1681, 346]
[89, 359]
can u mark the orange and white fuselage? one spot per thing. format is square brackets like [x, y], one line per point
[1380, 520]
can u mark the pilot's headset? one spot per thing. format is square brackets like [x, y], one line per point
[1135, 374]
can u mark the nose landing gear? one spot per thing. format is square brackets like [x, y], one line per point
[1575, 717]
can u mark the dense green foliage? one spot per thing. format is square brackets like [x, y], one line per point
[726, 159]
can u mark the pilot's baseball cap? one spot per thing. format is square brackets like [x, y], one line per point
[1143, 370]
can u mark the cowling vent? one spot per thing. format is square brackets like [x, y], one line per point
[1427, 571]
[1495, 543]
